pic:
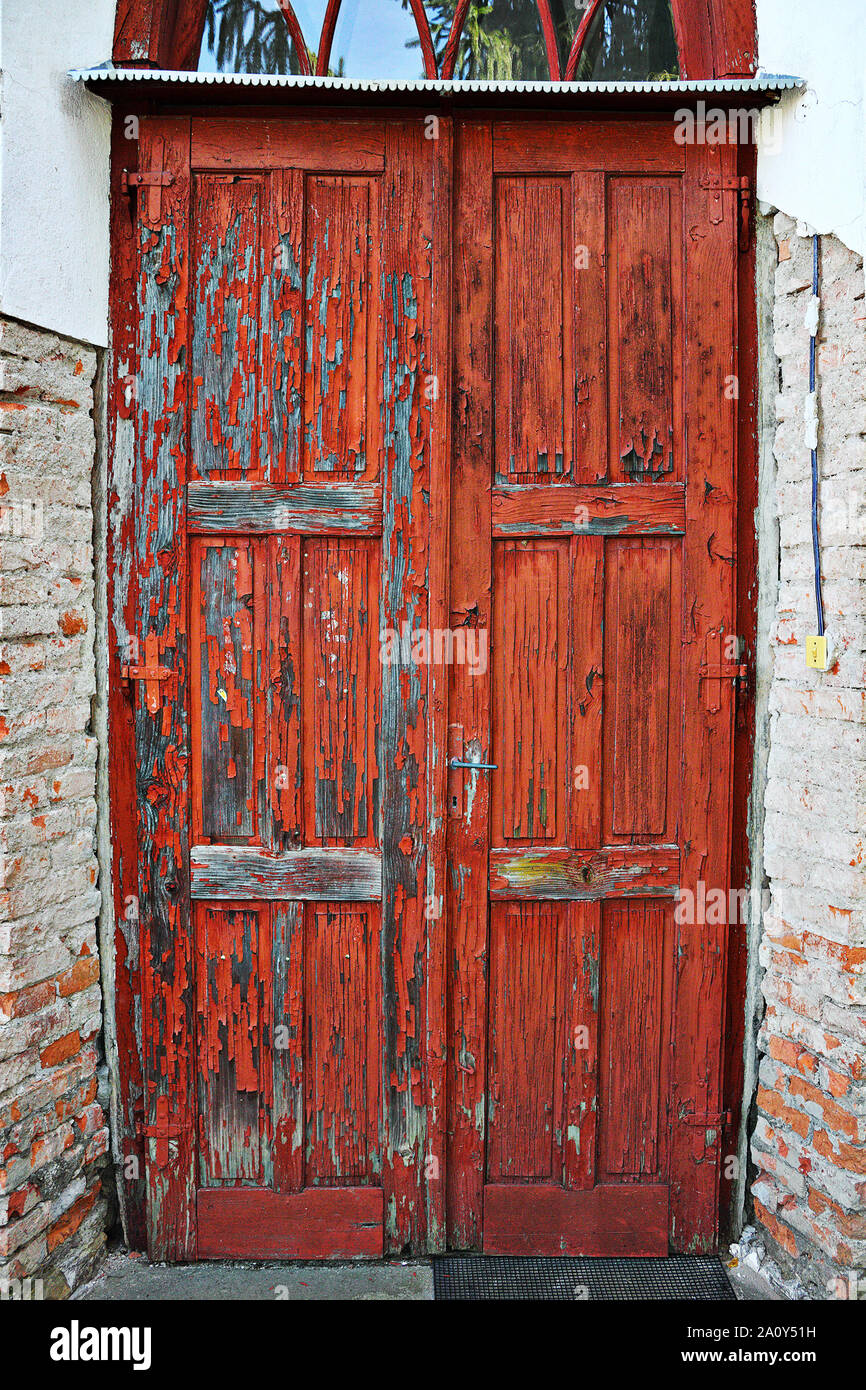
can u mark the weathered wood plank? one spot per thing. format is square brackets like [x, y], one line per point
[708, 581]
[532, 363]
[250, 509]
[404, 308]
[339, 284]
[530, 656]
[469, 714]
[344, 875]
[324, 1223]
[566, 147]
[162, 724]
[346, 146]
[626, 509]
[524, 1080]
[232, 1007]
[584, 875]
[630, 1220]
[226, 355]
[644, 282]
[342, 1025]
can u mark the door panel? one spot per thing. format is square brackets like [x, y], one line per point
[585, 1019]
[293, 484]
[282, 764]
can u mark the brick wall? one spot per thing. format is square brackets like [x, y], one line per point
[53, 1134]
[809, 1141]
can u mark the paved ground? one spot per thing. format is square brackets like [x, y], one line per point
[133, 1277]
[128, 1277]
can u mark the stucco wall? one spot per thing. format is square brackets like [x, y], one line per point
[812, 159]
[54, 144]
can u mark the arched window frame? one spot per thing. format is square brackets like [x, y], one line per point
[715, 39]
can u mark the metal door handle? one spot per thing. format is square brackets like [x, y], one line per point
[476, 767]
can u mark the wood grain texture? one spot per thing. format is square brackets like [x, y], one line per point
[546, 1220]
[340, 278]
[162, 734]
[226, 329]
[215, 508]
[342, 1045]
[232, 1000]
[708, 581]
[347, 875]
[644, 316]
[524, 1083]
[533, 406]
[530, 659]
[471, 608]
[321, 1223]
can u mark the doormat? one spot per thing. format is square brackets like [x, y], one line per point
[699, 1278]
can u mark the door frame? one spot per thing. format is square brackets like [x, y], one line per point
[124, 976]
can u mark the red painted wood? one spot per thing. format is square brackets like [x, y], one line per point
[708, 575]
[532, 234]
[626, 988]
[343, 1001]
[162, 726]
[524, 1090]
[468, 837]
[547, 1220]
[644, 280]
[564, 858]
[121, 597]
[322, 1223]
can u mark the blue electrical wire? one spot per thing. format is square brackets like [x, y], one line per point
[816, 548]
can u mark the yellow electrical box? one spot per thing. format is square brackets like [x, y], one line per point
[816, 653]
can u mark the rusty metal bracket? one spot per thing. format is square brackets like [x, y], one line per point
[131, 178]
[151, 673]
[742, 186]
[720, 1119]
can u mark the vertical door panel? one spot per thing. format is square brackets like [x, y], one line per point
[576, 302]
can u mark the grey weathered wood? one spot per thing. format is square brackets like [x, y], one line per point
[238, 872]
[260, 509]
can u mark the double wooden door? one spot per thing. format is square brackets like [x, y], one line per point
[414, 813]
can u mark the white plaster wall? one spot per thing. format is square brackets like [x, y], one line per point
[812, 161]
[54, 151]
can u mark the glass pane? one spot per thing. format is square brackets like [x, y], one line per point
[501, 41]
[247, 36]
[630, 39]
[376, 38]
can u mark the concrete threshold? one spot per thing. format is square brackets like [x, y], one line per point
[132, 1277]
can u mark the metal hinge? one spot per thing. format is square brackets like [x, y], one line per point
[151, 672]
[153, 181]
[740, 184]
[131, 178]
[719, 1119]
[160, 1131]
[715, 670]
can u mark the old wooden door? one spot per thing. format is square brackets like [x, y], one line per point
[291, 461]
[593, 540]
[282, 498]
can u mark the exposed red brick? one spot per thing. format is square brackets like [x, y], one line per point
[83, 973]
[61, 1050]
[72, 623]
[69, 1222]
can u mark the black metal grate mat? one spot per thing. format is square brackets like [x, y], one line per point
[481, 1277]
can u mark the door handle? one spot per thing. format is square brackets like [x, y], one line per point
[476, 767]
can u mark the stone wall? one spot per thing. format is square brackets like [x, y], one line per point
[53, 1132]
[809, 1141]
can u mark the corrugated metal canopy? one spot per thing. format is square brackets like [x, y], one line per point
[108, 78]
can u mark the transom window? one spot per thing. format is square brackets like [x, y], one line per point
[474, 40]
